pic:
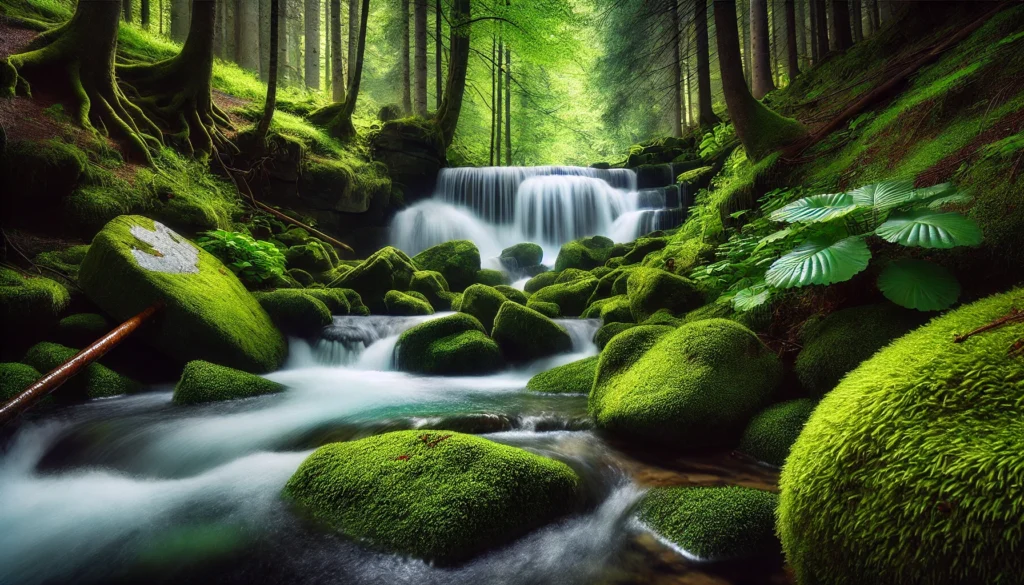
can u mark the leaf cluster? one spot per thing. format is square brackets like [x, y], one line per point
[253, 261]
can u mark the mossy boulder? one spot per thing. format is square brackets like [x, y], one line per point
[524, 334]
[14, 378]
[355, 302]
[491, 277]
[643, 247]
[311, 257]
[912, 469]
[570, 297]
[838, 343]
[585, 253]
[134, 262]
[400, 303]
[696, 387]
[68, 260]
[521, 256]
[611, 310]
[714, 523]
[513, 294]
[572, 275]
[650, 289]
[81, 329]
[294, 312]
[663, 317]
[540, 281]
[335, 299]
[482, 302]
[432, 285]
[439, 496]
[293, 236]
[549, 310]
[300, 276]
[607, 332]
[413, 149]
[386, 269]
[205, 382]
[96, 381]
[573, 378]
[453, 345]
[36, 175]
[773, 431]
[458, 261]
[30, 305]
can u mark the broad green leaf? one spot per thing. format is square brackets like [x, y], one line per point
[816, 208]
[884, 195]
[820, 262]
[916, 284]
[751, 297]
[930, 229]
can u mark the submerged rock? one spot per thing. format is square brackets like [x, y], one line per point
[458, 261]
[573, 378]
[524, 334]
[96, 381]
[436, 495]
[205, 382]
[772, 432]
[452, 345]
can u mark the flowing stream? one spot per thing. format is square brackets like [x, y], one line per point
[136, 489]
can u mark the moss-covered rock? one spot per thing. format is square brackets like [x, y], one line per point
[300, 276]
[573, 378]
[205, 382]
[513, 294]
[386, 269]
[294, 312]
[458, 261]
[135, 261]
[452, 345]
[35, 175]
[663, 317]
[96, 381]
[399, 303]
[81, 329]
[14, 378]
[521, 256]
[611, 310]
[549, 310]
[432, 285]
[355, 302]
[491, 277]
[585, 253]
[311, 257]
[773, 431]
[714, 523]
[482, 302]
[643, 247]
[607, 332]
[293, 236]
[68, 260]
[335, 299]
[540, 281]
[570, 297]
[525, 334]
[572, 275]
[650, 289]
[912, 469]
[439, 496]
[29, 305]
[695, 387]
[839, 342]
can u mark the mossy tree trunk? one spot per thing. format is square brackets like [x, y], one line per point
[438, 54]
[677, 69]
[458, 64]
[76, 60]
[271, 102]
[177, 92]
[706, 117]
[760, 45]
[312, 40]
[337, 64]
[337, 118]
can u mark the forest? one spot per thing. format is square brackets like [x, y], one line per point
[462, 292]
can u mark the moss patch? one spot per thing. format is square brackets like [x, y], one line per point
[205, 382]
[482, 302]
[584, 254]
[773, 431]
[607, 332]
[294, 312]
[572, 378]
[570, 297]
[521, 256]
[650, 290]
[540, 281]
[14, 378]
[491, 277]
[513, 294]
[387, 269]
[549, 310]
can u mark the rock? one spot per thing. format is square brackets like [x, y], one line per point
[293, 236]
[610, 310]
[839, 342]
[571, 297]
[458, 261]
[300, 276]
[663, 317]
[773, 431]
[513, 294]
[389, 112]
[68, 260]
[294, 312]
[549, 310]
[29, 308]
[695, 387]
[585, 253]
[912, 469]
[135, 261]
[714, 523]
[521, 256]
[432, 285]
[643, 247]
[482, 302]
[572, 275]
[653, 176]
[96, 381]
[601, 271]
[540, 281]
[205, 382]
[572, 378]
[491, 277]
[414, 152]
[15, 378]
[650, 289]
[310, 257]
[355, 302]
[453, 345]
[439, 496]
[335, 299]
[607, 332]
[524, 334]
[387, 269]
[400, 303]
[81, 329]
[35, 176]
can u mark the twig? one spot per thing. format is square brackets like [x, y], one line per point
[1015, 316]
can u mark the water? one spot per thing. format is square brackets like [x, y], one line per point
[136, 489]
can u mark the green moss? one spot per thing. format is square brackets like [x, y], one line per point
[549, 310]
[294, 312]
[482, 302]
[293, 236]
[355, 302]
[335, 299]
[910, 470]
[697, 386]
[607, 332]
[663, 317]
[30, 302]
[773, 431]
[458, 261]
[301, 276]
[491, 277]
[645, 246]
[585, 253]
[205, 382]
[452, 345]
[611, 310]
[540, 281]
[96, 381]
[572, 378]
[387, 269]
[714, 523]
[521, 256]
[432, 285]
[513, 294]
[600, 271]
[570, 297]
[699, 175]
[839, 342]
[455, 301]
[67, 261]
[14, 378]
[650, 289]
[525, 334]
[443, 497]
[311, 257]
[399, 303]
[572, 275]
[81, 329]
[35, 175]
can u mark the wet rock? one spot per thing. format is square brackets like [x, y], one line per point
[524, 334]
[205, 382]
[453, 345]
[457, 260]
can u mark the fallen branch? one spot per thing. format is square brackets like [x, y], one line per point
[1015, 316]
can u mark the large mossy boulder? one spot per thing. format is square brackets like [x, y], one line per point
[491, 277]
[607, 332]
[696, 387]
[208, 314]
[772, 432]
[571, 297]
[651, 289]
[714, 523]
[386, 269]
[294, 312]
[611, 310]
[96, 381]
[30, 306]
[450, 346]
[573, 378]
[912, 469]
[549, 310]
[335, 299]
[585, 253]
[311, 257]
[432, 285]
[513, 294]
[404, 304]
[838, 343]
[35, 176]
[521, 256]
[458, 261]
[439, 496]
[524, 334]
[205, 382]
[482, 302]
[15, 378]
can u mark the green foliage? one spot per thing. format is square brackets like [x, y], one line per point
[773, 431]
[918, 284]
[253, 261]
[205, 382]
[96, 381]
[525, 334]
[716, 141]
[573, 378]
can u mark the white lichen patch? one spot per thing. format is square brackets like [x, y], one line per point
[171, 253]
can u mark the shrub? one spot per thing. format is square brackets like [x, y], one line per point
[253, 261]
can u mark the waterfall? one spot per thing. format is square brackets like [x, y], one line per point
[553, 210]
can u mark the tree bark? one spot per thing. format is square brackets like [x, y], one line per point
[283, 74]
[270, 104]
[801, 38]
[677, 69]
[420, 59]
[126, 7]
[353, 36]
[312, 40]
[144, 9]
[706, 116]
[337, 118]
[841, 24]
[821, 28]
[748, 69]
[264, 7]
[498, 105]
[438, 54]
[760, 45]
[494, 91]
[508, 106]
[873, 19]
[857, 20]
[774, 43]
[337, 64]
[404, 16]
[812, 6]
[791, 43]
[180, 16]
[248, 18]
[295, 64]
[458, 64]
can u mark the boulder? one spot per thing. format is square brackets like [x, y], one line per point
[414, 152]
[585, 253]
[134, 262]
[513, 294]
[15, 378]
[693, 388]
[440, 496]
[607, 332]
[355, 302]
[572, 275]
[81, 329]
[399, 303]
[549, 310]
[611, 310]
[573, 378]
[524, 334]
[35, 176]
[482, 302]
[294, 312]
[386, 269]
[912, 469]
[458, 261]
[96, 381]
[491, 277]
[432, 285]
[205, 382]
[643, 247]
[30, 306]
[571, 297]
[540, 281]
[335, 299]
[521, 256]
[772, 432]
[651, 289]
[311, 257]
[452, 345]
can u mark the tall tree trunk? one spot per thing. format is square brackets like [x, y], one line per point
[494, 91]
[857, 20]
[420, 59]
[340, 122]
[283, 74]
[706, 116]
[773, 42]
[438, 54]
[872, 9]
[501, 87]
[677, 69]
[760, 45]
[458, 64]
[403, 26]
[885, 11]
[841, 24]
[791, 40]
[812, 6]
[126, 7]
[144, 9]
[180, 16]
[508, 106]
[801, 38]
[312, 39]
[248, 18]
[821, 25]
[295, 42]
[337, 66]
[264, 7]
[219, 45]
[748, 69]
[353, 37]
[759, 129]
[271, 102]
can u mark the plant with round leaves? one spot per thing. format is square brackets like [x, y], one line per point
[253, 261]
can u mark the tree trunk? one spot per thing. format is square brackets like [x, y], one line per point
[283, 74]
[337, 118]
[270, 104]
[821, 26]
[295, 64]
[458, 63]
[841, 24]
[759, 129]
[857, 20]
[812, 6]
[420, 59]
[508, 107]
[404, 16]
[748, 70]
[126, 7]
[312, 40]
[677, 69]
[801, 38]
[438, 55]
[760, 46]
[791, 40]
[885, 11]
[264, 8]
[873, 23]
[144, 10]
[248, 18]
[494, 91]
[180, 16]
[337, 65]
[327, 48]
[498, 106]
[773, 42]
[706, 117]
[353, 36]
